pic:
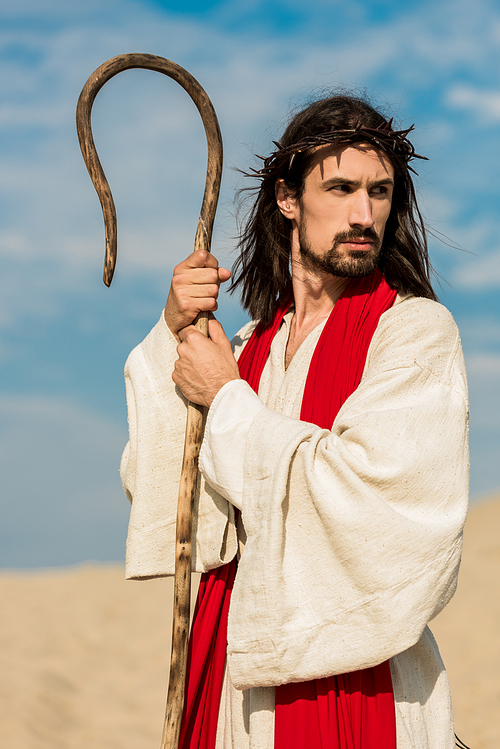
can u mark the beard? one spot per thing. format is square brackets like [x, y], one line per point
[346, 264]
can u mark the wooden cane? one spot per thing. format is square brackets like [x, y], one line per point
[195, 413]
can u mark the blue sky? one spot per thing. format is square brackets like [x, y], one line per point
[64, 337]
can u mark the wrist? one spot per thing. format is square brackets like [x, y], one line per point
[220, 385]
[170, 324]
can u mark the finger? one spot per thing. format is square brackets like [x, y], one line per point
[210, 260]
[199, 291]
[216, 332]
[187, 333]
[197, 259]
[203, 276]
[201, 259]
[204, 259]
[189, 307]
[185, 276]
[197, 275]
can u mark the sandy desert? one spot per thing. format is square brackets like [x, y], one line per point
[84, 654]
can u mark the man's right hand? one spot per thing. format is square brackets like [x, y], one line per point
[194, 288]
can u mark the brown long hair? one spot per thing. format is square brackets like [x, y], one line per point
[262, 270]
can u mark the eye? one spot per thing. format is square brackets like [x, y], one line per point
[341, 188]
[380, 190]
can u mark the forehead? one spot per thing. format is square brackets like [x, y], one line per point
[359, 163]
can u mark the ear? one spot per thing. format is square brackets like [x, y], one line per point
[285, 201]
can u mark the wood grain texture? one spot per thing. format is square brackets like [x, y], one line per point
[195, 414]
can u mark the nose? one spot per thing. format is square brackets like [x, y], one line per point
[361, 210]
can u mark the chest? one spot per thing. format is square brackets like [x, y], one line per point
[283, 379]
[296, 338]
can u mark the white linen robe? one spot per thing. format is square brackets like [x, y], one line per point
[353, 535]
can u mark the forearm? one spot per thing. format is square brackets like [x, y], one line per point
[342, 545]
[151, 467]
[222, 455]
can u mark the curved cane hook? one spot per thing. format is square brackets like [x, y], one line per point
[214, 141]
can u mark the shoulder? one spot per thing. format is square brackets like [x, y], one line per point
[419, 316]
[240, 340]
[417, 331]
[427, 308]
[158, 349]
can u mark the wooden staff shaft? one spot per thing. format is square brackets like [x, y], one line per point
[195, 414]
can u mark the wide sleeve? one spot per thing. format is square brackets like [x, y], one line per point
[151, 466]
[354, 533]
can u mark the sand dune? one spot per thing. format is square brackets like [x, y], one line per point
[84, 654]
[468, 631]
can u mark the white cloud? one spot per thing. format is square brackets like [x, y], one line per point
[50, 9]
[485, 366]
[472, 259]
[13, 244]
[483, 372]
[481, 333]
[483, 105]
[480, 273]
[152, 146]
[148, 134]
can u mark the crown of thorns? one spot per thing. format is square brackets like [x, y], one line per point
[393, 142]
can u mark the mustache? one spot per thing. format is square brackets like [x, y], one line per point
[348, 236]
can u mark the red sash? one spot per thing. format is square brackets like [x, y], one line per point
[349, 711]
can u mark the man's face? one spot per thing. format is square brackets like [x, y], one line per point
[341, 216]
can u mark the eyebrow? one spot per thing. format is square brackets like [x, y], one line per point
[355, 183]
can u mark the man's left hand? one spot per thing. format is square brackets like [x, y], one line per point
[204, 364]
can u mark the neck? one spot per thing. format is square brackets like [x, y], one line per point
[315, 293]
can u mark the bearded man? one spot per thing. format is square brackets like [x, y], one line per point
[334, 467]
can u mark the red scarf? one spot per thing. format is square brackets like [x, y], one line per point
[348, 711]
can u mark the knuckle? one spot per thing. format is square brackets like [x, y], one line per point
[177, 282]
